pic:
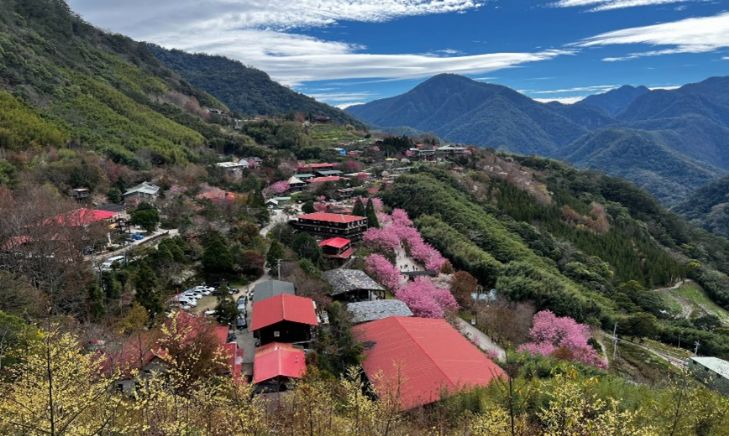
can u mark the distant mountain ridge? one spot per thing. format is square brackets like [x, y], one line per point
[669, 142]
[243, 89]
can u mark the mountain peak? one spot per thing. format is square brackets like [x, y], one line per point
[616, 100]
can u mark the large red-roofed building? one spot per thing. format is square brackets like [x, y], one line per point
[423, 359]
[83, 217]
[331, 225]
[284, 318]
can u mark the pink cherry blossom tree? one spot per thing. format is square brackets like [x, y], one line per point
[276, 188]
[427, 300]
[382, 239]
[383, 271]
[563, 336]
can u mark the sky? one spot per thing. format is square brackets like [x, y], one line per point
[346, 52]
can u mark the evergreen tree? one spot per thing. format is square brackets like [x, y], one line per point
[308, 207]
[306, 246]
[95, 301]
[275, 252]
[217, 258]
[371, 215]
[226, 310]
[145, 283]
[359, 208]
[145, 216]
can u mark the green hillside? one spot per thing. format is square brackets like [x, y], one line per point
[708, 207]
[104, 92]
[245, 90]
[578, 243]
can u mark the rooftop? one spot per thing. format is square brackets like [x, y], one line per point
[347, 280]
[715, 364]
[331, 217]
[271, 288]
[421, 360]
[335, 242]
[325, 179]
[278, 360]
[283, 307]
[143, 188]
[365, 311]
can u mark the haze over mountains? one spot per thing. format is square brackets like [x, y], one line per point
[669, 142]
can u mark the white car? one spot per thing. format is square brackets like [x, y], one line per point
[192, 294]
[185, 306]
[183, 299]
[210, 312]
[110, 262]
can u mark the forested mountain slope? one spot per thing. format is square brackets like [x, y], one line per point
[243, 89]
[685, 131]
[66, 82]
[578, 243]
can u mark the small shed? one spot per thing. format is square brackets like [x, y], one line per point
[276, 364]
[353, 285]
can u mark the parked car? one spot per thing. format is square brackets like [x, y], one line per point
[210, 312]
[111, 262]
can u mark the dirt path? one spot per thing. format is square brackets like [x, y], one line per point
[480, 339]
[679, 363]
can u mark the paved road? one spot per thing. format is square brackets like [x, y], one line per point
[154, 237]
[480, 339]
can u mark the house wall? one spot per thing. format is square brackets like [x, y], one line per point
[288, 332]
[709, 377]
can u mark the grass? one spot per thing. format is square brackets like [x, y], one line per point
[330, 135]
[694, 295]
[637, 364]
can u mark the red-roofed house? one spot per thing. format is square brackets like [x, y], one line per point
[217, 196]
[283, 318]
[337, 248]
[303, 166]
[332, 225]
[275, 364]
[423, 359]
[324, 179]
[143, 352]
[82, 217]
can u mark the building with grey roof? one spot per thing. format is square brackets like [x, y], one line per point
[353, 285]
[271, 288]
[712, 371]
[365, 311]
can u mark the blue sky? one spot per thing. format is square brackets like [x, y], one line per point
[351, 51]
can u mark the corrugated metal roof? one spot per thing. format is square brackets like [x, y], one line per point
[283, 308]
[715, 364]
[331, 217]
[271, 288]
[421, 359]
[278, 360]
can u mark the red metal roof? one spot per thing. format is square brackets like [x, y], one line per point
[82, 217]
[324, 179]
[315, 166]
[284, 307]
[331, 217]
[278, 360]
[335, 242]
[426, 357]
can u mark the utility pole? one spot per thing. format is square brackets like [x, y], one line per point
[696, 348]
[615, 340]
[278, 267]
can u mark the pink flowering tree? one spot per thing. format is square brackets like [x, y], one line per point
[561, 336]
[427, 300]
[384, 272]
[383, 239]
[277, 188]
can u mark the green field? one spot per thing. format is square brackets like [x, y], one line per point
[691, 298]
[330, 135]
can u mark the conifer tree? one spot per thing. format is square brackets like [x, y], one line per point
[371, 215]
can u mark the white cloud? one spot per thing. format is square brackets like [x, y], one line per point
[606, 5]
[261, 33]
[726, 58]
[591, 88]
[563, 100]
[690, 35]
